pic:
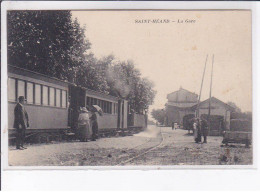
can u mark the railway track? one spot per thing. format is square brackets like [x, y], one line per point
[138, 155]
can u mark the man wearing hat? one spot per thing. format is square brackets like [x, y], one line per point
[21, 121]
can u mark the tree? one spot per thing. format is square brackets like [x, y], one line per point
[48, 42]
[232, 104]
[51, 43]
[125, 81]
[159, 115]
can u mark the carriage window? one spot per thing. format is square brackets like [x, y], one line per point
[88, 101]
[44, 95]
[110, 107]
[116, 108]
[107, 103]
[101, 104]
[52, 97]
[29, 93]
[58, 98]
[21, 88]
[105, 107]
[37, 94]
[11, 89]
[64, 99]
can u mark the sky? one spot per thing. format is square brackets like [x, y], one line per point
[173, 54]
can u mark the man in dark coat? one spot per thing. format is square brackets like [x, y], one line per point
[199, 131]
[94, 122]
[204, 129]
[172, 125]
[21, 121]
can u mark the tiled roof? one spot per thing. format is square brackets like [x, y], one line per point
[213, 99]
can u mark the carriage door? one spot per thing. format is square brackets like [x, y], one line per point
[77, 99]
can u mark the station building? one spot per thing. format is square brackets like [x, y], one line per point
[184, 102]
[217, 107]
[180, 103]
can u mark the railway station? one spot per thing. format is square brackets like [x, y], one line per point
[125, 138]
[153, 92]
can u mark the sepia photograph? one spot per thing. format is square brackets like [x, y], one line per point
[121, 88]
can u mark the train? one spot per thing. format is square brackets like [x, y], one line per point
[53, 104]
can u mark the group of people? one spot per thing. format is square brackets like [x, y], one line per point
[200, 128]
[174, 126]
[87, 125]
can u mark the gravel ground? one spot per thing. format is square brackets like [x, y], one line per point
[155, 146]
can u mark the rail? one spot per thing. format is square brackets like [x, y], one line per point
[143, 153]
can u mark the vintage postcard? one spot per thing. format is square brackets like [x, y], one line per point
[120, 88]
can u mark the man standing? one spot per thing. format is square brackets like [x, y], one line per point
[172, 125]
[94, 122]
[197, 130]
[204, 129]
[21, 121]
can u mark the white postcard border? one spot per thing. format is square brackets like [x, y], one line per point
[10, 174]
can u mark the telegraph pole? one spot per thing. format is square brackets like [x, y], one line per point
[201, 87]
[210, 91]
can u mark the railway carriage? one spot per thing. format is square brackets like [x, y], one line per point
[115, 110]
[47, 100]
[53, 105]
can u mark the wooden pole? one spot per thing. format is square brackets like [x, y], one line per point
[210, 91]
[201, 87]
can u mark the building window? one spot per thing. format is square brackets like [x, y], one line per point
[64, 99]
[58, 98]
[37, 94]
[52, 96]
[44, 95]
[11, 89]
[21, 88]
[29, 93]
